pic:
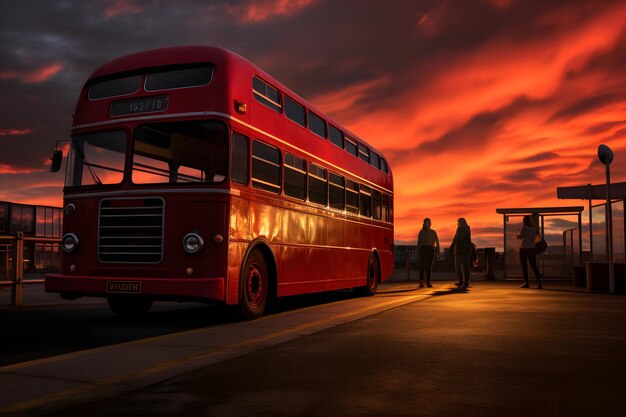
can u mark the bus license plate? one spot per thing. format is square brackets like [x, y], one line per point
[139, 105]
[133, 287]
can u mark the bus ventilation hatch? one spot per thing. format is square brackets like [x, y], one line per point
[130, 230]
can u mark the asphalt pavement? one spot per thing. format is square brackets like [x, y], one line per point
[495, 350]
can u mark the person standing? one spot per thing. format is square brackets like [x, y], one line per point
[462, 248]
[527, 251]
[428, 247]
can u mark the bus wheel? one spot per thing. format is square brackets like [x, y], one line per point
[373, 277]
[129, 306]
[254, 286]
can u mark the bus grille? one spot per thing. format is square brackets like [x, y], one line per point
[131, 230]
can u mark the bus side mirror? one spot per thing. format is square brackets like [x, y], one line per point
[57, 160]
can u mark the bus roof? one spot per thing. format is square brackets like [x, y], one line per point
[203, 53]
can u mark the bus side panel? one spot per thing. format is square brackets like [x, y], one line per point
[265, 218]
[292, 265]
[386, 255]
[238, 241]
[337, 255]
[359, 243]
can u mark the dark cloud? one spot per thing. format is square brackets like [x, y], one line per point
[540, 157]
[327, 47]
[618, 134]
[603, 127]
[564, 224]
[472, 138]
[524, 176]
[588, 105]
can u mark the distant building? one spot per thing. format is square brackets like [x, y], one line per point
[32, 220]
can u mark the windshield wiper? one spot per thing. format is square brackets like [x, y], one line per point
[93, 174]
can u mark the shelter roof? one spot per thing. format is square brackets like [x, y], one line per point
[592, 192]
[541, 210]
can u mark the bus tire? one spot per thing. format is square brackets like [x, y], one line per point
[373, 277]
[129, 306]
[254, 286]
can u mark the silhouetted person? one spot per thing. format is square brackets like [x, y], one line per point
[527, 252]
[428, 247]
[462, 248]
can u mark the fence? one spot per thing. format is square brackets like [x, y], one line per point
[14, 266]
[406, 257]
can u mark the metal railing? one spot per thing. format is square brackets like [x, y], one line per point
[15, 269]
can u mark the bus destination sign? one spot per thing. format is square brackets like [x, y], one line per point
[139, 105]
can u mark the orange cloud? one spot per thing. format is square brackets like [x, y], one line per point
[122, 7]
[499, 126]
[33, 77]
[7, 169]
[262, 10]
[15, 132]
[349, 97]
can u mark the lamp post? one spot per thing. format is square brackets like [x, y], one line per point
[605, 154]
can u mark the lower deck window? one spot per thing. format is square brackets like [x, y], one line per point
[295, 177]
[318, 190]
[266, 166]
[352, 197]
[240, 159]
[365, 201]
[336, 192]
[377, 205]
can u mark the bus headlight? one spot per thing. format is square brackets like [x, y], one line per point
[70, 209]
[193, 243]
[69, 243]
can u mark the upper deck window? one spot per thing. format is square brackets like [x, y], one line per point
[351, 147]
[383, 166]
[374, 159]
[295, 111]
[336, 137]
[266, 94]
[364, 153]
[317, 124]
[179, 78]
[114, 88]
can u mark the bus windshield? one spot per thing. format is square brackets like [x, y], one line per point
[97, 158]
[180, 152]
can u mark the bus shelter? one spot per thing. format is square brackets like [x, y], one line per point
[559, 258]
[598, 213]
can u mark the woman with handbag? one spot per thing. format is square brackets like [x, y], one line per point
[527, 252]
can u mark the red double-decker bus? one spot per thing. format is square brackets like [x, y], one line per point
[194, 175]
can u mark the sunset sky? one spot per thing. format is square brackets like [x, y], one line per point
[476, 104]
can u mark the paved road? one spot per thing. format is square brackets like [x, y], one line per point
[495, 350]
[47, 325]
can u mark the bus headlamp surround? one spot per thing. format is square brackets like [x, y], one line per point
[69, 243]
[193, 243]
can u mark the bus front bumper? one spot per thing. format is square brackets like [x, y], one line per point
[159, 288]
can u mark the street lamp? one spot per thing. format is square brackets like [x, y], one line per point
[605, 154]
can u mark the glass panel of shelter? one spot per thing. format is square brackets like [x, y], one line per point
[617, 209]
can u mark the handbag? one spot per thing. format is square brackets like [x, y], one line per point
[540, 244]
